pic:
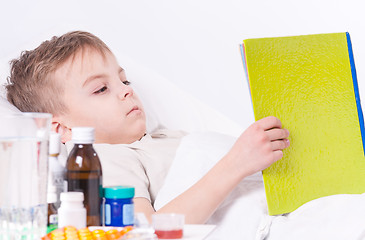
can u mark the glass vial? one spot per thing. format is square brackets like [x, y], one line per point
[84, 173]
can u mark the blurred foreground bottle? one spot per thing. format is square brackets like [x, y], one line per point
[56, 172]
[84, 173]
[52, 215]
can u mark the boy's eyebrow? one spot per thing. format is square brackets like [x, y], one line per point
[97, 76]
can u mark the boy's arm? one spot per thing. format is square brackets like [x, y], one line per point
[256, 149]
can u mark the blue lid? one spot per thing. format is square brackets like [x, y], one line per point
[119, 192]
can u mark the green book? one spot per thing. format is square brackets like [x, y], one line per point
[309, 83]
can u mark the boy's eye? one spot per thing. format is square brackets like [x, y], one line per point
[101, 90]
[126, 82]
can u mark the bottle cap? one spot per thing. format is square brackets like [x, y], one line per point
[83, 135]
[119, 192]
[51, 194]
[72, 197]
[54, 143]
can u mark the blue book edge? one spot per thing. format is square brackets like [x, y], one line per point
[356, 90]
[243, 56]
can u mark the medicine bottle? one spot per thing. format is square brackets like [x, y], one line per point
[56, 172]
[72, 211]
[84, 173]
[119, 207]
[52, 216]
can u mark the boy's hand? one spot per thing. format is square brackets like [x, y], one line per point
[259, 146]
[256, 149]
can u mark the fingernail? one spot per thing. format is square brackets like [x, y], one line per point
[287, 141]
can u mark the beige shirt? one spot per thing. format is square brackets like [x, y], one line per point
[143, 164]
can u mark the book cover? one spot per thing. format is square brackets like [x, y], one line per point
[309, 83]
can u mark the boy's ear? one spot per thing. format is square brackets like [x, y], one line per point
[63, 130]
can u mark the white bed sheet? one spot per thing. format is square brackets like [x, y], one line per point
[243, 215]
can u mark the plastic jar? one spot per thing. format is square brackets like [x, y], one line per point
[72, 211]
[119, 207]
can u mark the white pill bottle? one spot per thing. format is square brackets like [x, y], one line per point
[72, 211]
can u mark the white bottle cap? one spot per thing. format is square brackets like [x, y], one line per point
[72, 197]
[54, 143]
[83, 135]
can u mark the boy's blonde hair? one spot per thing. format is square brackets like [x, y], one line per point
[30, 85]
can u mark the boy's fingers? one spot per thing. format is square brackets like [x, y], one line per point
[277, 133]
[278, 154]
[269, 122]
[280, 144]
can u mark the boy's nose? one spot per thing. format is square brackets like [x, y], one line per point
[125, 92]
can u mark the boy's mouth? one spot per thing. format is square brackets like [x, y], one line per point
[135, 108]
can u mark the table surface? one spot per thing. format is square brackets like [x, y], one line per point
[191, 231]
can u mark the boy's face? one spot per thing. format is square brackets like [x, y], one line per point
[96, 95]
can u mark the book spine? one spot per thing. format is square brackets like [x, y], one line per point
[356, 90]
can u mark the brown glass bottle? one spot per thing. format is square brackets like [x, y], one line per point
[84, 173]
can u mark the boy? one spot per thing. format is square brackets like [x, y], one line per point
[77, 79]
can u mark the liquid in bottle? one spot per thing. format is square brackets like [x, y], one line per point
[84, 173]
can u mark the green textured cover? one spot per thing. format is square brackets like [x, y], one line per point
[307, 82]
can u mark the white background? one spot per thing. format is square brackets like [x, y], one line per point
[193, 43]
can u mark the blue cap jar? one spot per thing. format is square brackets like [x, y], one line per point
[118, 206]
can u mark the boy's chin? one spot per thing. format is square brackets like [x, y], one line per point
[138, 133]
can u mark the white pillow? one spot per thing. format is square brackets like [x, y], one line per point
[168, 106]
[6, 107]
